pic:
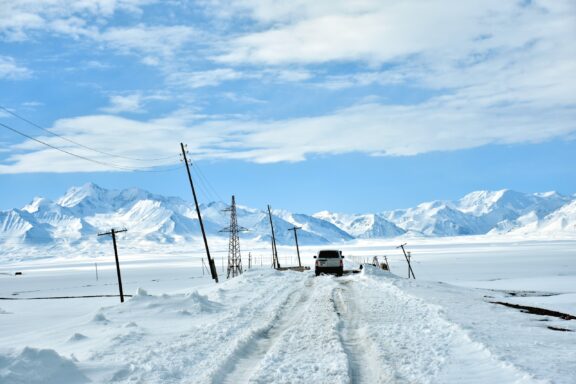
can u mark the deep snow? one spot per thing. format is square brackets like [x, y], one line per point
[289, 327]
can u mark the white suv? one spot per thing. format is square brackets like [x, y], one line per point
[329, 261]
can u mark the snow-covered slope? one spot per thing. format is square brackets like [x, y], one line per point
[481, 212]
[437, 219]
[506, 205]
[559, 222]
[362, 226]
[19, 226]
[84, 211]
[76, 218]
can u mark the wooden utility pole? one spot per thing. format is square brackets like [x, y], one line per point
[113, 232]
[410, 271]
[275, 261]
[295, 229]
[211, 264]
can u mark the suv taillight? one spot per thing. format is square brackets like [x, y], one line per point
[317, 263]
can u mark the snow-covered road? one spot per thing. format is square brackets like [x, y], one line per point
[289, 327]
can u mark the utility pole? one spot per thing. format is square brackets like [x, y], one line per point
[295, 229]
[234, 256]
[249, 260]
[113, 232]
[203, 267]
[275, 261]
[410, 271]
[213, 270]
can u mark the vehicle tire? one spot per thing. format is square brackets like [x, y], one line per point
[317, 273]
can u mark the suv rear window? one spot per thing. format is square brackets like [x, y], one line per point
[329, 255]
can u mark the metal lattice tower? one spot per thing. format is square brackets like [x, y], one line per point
[234, 256]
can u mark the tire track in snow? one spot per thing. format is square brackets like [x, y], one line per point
[363, 367]
[417, 344]
[245, 360]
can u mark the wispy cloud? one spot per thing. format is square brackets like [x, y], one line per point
[132, 101]
[124, 103]
[152, 41]
[69, 17]
[10, 70]
[199, 79]
[511, 49]
[492, 72]
[441, 124]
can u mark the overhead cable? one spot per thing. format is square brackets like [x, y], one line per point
[79, 144]
[112, 165]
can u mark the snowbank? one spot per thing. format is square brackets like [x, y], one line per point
[39, 366]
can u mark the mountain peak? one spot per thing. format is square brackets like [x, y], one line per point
[37, 204]
[76, 195]
[481, 202]
[549, 194]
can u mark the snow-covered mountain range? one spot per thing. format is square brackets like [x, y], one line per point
[83, 211]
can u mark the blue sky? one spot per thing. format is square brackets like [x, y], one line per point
[346, 106]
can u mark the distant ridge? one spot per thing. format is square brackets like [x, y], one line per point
[76, 217]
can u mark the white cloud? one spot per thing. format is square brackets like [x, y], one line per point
[525, 48]
[133, 101]
[292, 75]
[92, 20]
[10, 70]
[489, 72]
[18, 19]
[117, 135]
[125, 103]
[198, 79]
[398, 131]
[371, 31]
[32, 104]
[442, 124]
[154, 42]
[366, 78]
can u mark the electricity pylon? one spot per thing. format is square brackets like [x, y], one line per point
[234, 256]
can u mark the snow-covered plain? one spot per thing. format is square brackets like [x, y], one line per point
[289, 327]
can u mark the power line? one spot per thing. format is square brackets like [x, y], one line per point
[203, 177]
[204, 191]
[87, 158]
[77, 143]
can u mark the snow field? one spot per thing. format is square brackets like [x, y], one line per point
[414, 340]
[192, 337]
[512, 337]
[288, 327]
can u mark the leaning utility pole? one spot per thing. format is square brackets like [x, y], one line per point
[234, 256]
[295, 229]
[213, 270]
[410, 271]
[113, 232]
[275, 261]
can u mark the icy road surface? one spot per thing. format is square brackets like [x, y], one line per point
[289, 327]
